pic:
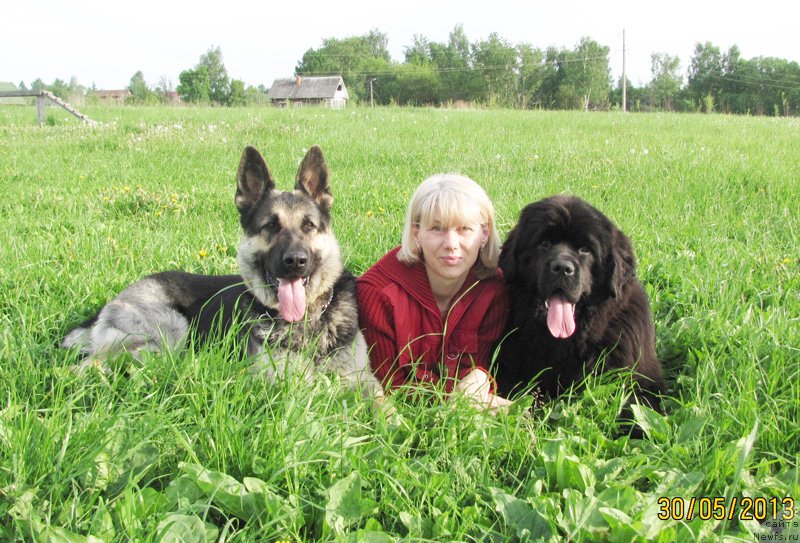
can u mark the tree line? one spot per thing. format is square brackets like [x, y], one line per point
[495, 73]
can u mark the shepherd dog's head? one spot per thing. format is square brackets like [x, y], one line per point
[288, 256]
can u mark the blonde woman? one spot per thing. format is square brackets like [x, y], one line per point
[433, 308]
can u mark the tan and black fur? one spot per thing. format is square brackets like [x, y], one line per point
[287, 246]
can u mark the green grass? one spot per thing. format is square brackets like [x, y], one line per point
[192, 446]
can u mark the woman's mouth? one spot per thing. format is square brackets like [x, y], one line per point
[450, 260]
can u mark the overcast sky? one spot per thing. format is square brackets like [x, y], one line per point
[105, 43]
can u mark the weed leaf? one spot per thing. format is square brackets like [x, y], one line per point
[654, 424]
[177, 528]
[102, 523]
[527, 522]
[345, 505]
[251, 500]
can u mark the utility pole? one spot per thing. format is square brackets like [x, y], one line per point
[624, 77]
[371, 103]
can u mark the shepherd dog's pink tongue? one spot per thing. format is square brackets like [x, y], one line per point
[560, 316]
[291, 299]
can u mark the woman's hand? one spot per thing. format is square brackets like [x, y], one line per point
[475, 385]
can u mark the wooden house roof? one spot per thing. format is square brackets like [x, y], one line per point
[309, 88]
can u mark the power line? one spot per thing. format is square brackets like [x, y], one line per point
[762, 82]
[437, 69]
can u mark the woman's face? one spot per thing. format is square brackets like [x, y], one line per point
[449, 251]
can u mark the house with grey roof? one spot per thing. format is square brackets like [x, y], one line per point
[299, 91]
[11, 100]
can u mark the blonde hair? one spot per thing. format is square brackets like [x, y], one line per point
[457, 200]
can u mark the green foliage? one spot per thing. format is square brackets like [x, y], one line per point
[194, 447]
[357, 59]
[709, 103]
[496, 60]
[141, 92]
[195, 85]
[666, 83]
[208, 82]
[587, 74]
[219, 85]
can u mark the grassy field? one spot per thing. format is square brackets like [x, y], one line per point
[192, 448]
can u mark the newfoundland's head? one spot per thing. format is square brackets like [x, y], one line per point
[565, 257]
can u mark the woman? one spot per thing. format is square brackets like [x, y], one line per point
[433, 308]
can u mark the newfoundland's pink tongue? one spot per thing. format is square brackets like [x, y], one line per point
[560, 316]
[291, 299]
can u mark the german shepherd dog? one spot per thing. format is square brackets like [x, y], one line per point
[293, 295]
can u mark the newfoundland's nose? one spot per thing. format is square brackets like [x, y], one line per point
[295, 261]
[562, 267]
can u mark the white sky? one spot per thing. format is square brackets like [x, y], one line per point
[105, 43]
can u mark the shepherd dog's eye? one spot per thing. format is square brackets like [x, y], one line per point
[308, 225]
[272, 226]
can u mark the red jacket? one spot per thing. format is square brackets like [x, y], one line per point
[408, 338]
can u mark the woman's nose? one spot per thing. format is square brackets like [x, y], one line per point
[452, 238]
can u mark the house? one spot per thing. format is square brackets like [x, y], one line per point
[112, 96]
[11, 100]
[299, 91]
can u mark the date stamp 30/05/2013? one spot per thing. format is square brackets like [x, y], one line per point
[719, 508]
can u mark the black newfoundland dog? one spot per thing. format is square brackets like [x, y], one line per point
[576, 304]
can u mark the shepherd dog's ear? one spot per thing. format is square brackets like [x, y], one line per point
[508, 255]
[253, 180]
[621, 266]
[313, 179]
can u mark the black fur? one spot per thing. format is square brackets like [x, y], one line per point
[563, 245]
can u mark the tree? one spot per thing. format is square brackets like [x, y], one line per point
[553, 74]
[459, 82]
[164, 90]
[219, 85]
[411, 84]
[531, 73]
[666, 82]
[420, 51]
[194, 85]
[588, 75]
[705, 74]
[638, 97]
[139, 89]
[357, 59]
[495, 61]
[208, 81]
[237, 96]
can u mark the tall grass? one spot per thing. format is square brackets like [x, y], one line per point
[191, 446]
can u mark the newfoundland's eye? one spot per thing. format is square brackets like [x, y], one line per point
[545, 244]
[584, 251]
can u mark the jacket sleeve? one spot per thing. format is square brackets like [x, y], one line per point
[377, 323]
[492, 325]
